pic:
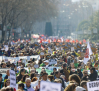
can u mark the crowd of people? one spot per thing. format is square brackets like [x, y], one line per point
[68, 67]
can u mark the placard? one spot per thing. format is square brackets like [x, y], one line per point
[36, 66]
[93, 86]
[42, 53]
[48, 86]
[72, 49]
[12, 79]
[3, 70]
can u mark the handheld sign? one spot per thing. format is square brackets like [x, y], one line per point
[48, 86]
[42, 53]
[93, 86]
[36, 66]
[12, 79]
[72, 49]
[3, 70]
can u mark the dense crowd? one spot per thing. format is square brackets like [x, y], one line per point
[68, 67]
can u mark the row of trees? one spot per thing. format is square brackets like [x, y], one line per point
[90, 25]
[24, 13]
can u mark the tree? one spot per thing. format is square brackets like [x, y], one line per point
[20, 13]
[91, 24]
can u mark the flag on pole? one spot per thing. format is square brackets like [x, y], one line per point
[42, 47]
[88, 53]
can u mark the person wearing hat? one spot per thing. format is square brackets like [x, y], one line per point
[1, 82]
[93, 75]
[46, 63]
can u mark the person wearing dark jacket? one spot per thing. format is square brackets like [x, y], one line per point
[7, 75]
[22, 72]
[1, 82]
[57, 75]
[79, 73]
[93, 75]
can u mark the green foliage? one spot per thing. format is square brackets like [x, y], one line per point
[90, 24]
[83, 25]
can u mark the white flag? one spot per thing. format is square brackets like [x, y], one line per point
[88, 53]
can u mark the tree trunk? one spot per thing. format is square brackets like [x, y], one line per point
[9, 35]
[3, 35]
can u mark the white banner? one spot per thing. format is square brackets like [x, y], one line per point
[15, 59]
[93, 86]
[3, 70]
[12, 79]
[48, 86]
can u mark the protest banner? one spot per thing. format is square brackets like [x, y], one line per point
[15, 59]
[48, 86]
[6, 47]
[36, 66]
[93, 86]
[12, 79]
[3, 70]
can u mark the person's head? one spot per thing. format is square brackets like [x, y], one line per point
[78, 70]
[9, 89]
[85, 73]
[84, 85]
[44, 76]
[21, 86]
[22, 72]
[54, 69]
[8, 73]
[0, 77]
[92, 70]
[46, 62]
[75, 78]
[32, 75]
[58, 80]
[57, 74]
[3, 65]
[71, 87]
[51, 77]
[34, 79]
[33, 71]
[12, 65]
[24, 77]
[7, 83]
[65, 65]
[63, 76]
[28, 82]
